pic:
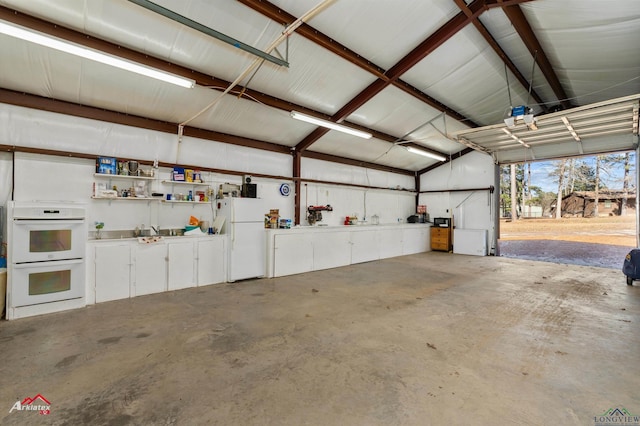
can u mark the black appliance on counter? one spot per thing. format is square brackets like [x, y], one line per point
[442, 222]
[249, 190]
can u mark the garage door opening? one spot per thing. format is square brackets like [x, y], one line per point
[596, 224]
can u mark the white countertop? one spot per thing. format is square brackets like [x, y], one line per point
[164, 238]
[349, 228]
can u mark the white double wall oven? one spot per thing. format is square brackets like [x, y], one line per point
[46, 257]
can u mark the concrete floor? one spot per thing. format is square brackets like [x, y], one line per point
[572, 252]
[434, 338]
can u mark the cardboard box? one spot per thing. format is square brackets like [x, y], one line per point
[178, 174]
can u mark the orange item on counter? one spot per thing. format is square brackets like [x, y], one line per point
[194, 221]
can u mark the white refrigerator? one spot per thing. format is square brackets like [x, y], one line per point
[244, 224]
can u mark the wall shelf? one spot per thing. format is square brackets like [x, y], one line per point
[179, 182]
[104, 175]
[125, 198]
[185, 201]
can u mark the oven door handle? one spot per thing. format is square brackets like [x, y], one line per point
[47, 221]
[48, 263]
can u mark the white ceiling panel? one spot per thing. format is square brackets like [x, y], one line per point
[369, 150]
[473, 81]
[594, 49]
[393, 111]
[315, 78]
[249, 119]
[503, 32]
[376, 31]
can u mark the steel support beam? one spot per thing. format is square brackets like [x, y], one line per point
[437, 39]
[524, 30]
[201, 79]
[449, 159]
[183, 20]
[496, 48]
[297, 168]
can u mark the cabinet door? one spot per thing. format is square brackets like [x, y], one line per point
[113, 271]
[415, 240]
[181, 258]
[365, 246]
[293, 254]
[390, 242]
[211, 261]
[150, 269]
[330, 250]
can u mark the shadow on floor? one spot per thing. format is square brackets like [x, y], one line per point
[570, 252]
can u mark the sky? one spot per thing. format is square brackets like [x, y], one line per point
[540, 171]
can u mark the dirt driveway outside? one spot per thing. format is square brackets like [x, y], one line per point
[602, 241]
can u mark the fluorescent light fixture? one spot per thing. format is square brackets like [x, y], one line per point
[330, 125]
[426, 153]
[515, 138]
[92, 54]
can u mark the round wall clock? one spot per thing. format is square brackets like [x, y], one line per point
[285, 189]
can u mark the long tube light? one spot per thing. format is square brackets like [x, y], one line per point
[425, 153]
[94, 55]
[330, 125]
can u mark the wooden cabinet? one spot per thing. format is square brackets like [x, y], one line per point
[441, 239]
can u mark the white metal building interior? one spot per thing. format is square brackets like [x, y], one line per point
[360, 324]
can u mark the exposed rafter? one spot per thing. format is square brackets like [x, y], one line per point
[430, 44]
[448, 160]
[12, 97]
[200, 78]
[521, 25]
[496, 47]
[275, 13]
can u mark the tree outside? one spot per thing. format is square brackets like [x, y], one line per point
[595, 176]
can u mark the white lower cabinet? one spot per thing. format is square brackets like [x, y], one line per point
[211, 261]
[365, 246]
[123, 269]
[416, 240]
[293, 254]
[150, 269]
[331, 250]
[390, 243]
[181, 265]
[112, 271]
[301, 250]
